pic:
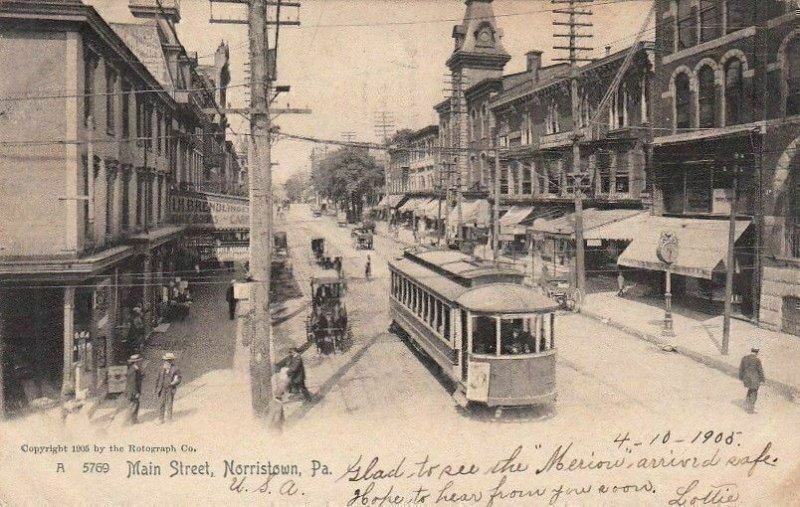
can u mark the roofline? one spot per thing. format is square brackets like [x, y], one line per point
[500, 100]
[425, 131]
[85, 15]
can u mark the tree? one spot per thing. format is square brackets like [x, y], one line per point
[401, 138]
[348, 176]
[296, 185]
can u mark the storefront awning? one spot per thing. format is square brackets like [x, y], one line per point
[474, 212]
[592, 219]
[412, 205]
[702, 245]
[511, 222]
[390, 201]
[383, 202]
[431, 210]
[624, 229]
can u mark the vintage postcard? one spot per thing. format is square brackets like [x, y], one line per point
[400, 253]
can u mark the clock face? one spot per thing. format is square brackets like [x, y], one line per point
[670, 252]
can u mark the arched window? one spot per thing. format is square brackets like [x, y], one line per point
[792, 70]
[733, 92]
[683, 98]
[706, 97]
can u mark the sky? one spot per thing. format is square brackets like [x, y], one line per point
[351, 60]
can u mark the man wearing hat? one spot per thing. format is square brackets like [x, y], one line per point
[231, 299]
[166, 384]
[751, 373]
[133, 387]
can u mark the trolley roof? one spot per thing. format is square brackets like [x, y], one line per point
[496, 297]
[323, 276]
[462, 268]
[505, 298]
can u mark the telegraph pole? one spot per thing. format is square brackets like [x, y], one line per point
[262, 67]
[573, 24]
[729, 265]
[261, 206]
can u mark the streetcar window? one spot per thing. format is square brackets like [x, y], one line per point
[515, 337]
[438, 316]
[484, 335]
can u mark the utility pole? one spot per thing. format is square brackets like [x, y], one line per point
[261, 206]
[496, 207]
[729, 265]
[572, 11]
[384, 125]
[262, 66]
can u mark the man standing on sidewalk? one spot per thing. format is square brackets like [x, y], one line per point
[368, 269]
[166, 384]
[230, 297]
[751, 373]
[133, 388]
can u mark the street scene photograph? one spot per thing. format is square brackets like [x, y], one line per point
[400, 252]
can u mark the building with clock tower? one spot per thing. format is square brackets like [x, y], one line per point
[465, 123]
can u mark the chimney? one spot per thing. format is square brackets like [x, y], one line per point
[534, 63]
[608, 50]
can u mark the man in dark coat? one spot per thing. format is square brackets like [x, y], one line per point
[231, 299]
[133, 388]
[166, 384]
[297, 374]
[751, 373]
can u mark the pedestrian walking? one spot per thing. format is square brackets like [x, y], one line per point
[751, 373]
[297, 374]
[166, 384]
[620, 284]
[368, 269]
[230, 297]
[133, 388]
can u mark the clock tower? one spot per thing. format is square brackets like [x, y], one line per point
[478, 55]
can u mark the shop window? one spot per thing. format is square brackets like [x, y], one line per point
[737, 14]
[554, 183]
[733, 92]
[110, 204]
[504, 180]
[622, 184]
[111, 99]
[792, 63]
[126, 110]
[687, 24]
[126, 187]
[683, 98]
[90, 63]
[552, 119]
[668, 37]
[709, 20]
[527, 187]
[604, 168]
[707, 97]
[698, 189]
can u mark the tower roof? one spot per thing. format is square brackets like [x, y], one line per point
[478, 38]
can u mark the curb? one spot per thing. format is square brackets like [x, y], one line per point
[790, 392]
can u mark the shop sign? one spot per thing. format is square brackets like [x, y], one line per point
[210, 210]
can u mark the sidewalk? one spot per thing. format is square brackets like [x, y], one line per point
[699, 337]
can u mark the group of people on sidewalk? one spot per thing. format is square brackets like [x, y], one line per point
[169, 377]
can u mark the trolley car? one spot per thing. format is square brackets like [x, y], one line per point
[492, 336]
